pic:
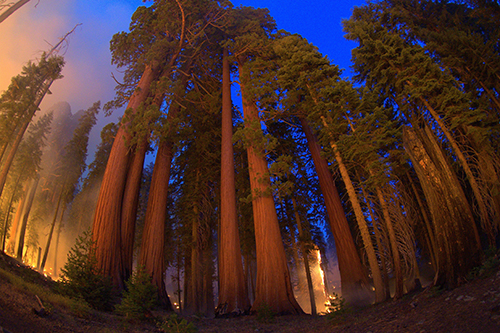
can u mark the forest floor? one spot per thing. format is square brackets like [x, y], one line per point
[472, 307]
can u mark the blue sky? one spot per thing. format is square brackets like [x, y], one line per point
[87, 73]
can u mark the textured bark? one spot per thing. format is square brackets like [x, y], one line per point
[152, 255]
[355, 284]
[274, 288]
[476, 189]
[456, 234]
[233, 295]
[106, 228]
[129, 208]
[362, 224]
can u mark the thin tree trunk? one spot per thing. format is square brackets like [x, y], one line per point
[381, 242]
[24, 218]
[11, 244]
[476, 189]
[274, 288]
[9, 11]
[52, 225]
[305, 255]
[362, 224]
[56, 250]
[19, 136]
[7, 215]
[456, 233]
[130, 205]
[354, 280]
[396, 260]
[232, 288]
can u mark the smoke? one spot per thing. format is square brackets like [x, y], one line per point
[39, 25]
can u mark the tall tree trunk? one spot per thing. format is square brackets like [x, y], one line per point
[362, 224]
[11, 244]
[51, 231]
[396, 259]
[106, 227]
[431, 237]
[476, 189]
[456, 234]
[274, 288]
[232, 288]
[354, 280]
[58, 238]
[8, 212]
[24, 218]
[152, 255]
[153, 238]
[305, 255]
[130, 205]
[380, 240]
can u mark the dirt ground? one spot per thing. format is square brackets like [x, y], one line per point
[473, 307]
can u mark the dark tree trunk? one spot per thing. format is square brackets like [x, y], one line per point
[233, 295]
[355, 283]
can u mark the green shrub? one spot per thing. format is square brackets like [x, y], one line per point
[140, 296]
[81, 278]
[174, 324]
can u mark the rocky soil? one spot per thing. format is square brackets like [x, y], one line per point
[473, 307]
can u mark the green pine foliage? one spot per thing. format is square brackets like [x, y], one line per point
[139, 298]
[81, 278]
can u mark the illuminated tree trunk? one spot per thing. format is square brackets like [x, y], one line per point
[355, 284]
[24, 218]
[51, 231]
[8, 212]
[106, 228]
[456, 234]
[232, 288]
[152, 255]
[129, 208]
[274, 288]
[362, 224]
[11, 244]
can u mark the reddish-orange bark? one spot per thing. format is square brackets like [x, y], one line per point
[106, 228]
[274, 288]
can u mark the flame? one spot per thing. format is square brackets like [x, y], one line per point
[321, 272]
